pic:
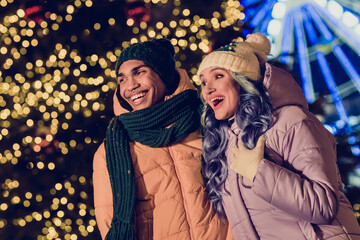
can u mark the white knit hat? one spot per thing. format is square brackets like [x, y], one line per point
[244, 57]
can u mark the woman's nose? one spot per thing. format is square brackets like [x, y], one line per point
[208, 89]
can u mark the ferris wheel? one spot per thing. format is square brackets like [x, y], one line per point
[320, 41]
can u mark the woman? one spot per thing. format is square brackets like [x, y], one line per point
[270, 164]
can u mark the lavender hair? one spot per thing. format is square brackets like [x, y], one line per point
[253, 116]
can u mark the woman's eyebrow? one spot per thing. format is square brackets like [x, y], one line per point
[218, 68]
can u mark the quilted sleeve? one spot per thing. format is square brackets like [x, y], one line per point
[305, 186]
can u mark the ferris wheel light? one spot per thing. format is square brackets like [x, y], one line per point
[309, 27]
[343, 59]
[319, 22]
[274, 27]
[304, 32]
[352, 140]
[331, 84]
[285, 43]
[339, 26]
[264, 25]
[354, 120]
[350, 19]
[262, 13]
[355, 150]
[322, 3]
[340, 124]
[279, 10]
[335, 9]
[303, 59]
[330, 128]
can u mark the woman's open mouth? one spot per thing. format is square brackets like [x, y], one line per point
[216, 101]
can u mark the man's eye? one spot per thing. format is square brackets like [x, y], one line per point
[139, 72]
[121, 80]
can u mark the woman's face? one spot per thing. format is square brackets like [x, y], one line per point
[220, 91]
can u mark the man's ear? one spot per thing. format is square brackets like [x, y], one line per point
[174, 84]
[122, 101]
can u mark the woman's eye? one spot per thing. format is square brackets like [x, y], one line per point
[203, 83]
[218, 76]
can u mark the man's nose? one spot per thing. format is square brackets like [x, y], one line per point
[132, 84]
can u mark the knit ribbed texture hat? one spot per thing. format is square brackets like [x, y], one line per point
[244, 57]
[157, 54]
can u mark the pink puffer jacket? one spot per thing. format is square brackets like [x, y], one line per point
[297, 191]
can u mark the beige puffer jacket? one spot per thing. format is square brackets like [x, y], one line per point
[171, 201]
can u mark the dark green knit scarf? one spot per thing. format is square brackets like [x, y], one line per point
[147, 126]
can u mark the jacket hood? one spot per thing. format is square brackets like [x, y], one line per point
[184, 84]
[282, 88]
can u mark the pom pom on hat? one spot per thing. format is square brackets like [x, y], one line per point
[245, 57]
[261, 43]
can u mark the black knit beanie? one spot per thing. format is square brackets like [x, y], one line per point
[157, 54]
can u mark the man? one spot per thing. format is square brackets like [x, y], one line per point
[147, 173]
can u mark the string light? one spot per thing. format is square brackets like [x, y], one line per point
[53, 86]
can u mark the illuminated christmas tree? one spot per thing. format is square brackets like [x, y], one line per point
[56, 84]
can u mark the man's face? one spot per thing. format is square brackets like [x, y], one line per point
[140, 85]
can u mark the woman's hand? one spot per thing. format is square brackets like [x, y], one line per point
[244, 161]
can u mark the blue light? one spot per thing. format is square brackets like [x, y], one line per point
[264, 24]
[248, 13]
[345, 62]
[330, 82]
[248, 2]
[331, 129]
[285, 43]
[265, 10]
[304, 67]
[335, 9]
[355, 150]
[309, 27]
[340, 27]
[319, 22]
[350, 19]
[340, 124]
[352, 140]
[353, 120]
[245, 32]
[279, 10]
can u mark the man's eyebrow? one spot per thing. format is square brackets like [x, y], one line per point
[133, 70]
